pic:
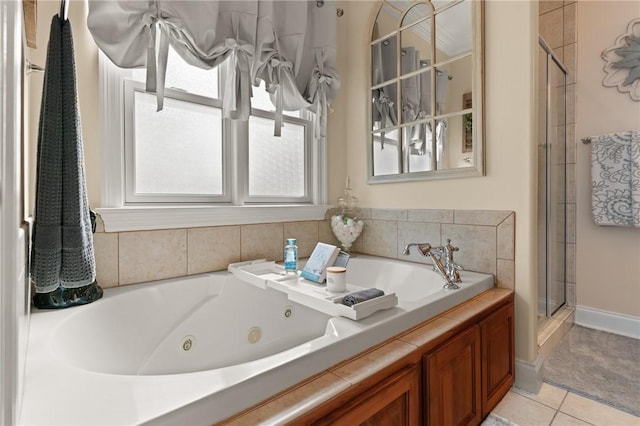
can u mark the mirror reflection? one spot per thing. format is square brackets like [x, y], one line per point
[422, 120]
[454, 35]
[387, 162]
[383, 60]
[417, 14]
[384, 109]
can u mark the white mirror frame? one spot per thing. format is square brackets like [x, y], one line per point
[478, 166]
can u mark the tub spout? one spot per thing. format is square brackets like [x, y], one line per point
[426, 250]
[423, 248]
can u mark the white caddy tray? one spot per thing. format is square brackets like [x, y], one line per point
[267, 274]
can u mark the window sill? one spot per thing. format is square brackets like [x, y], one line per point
[167, 217]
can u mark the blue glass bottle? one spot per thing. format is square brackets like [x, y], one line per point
[291, 256]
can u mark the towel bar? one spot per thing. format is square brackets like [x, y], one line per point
[64, 9]
[31, 67]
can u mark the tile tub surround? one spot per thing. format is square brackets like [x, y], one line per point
[124, 258]
[485, 237]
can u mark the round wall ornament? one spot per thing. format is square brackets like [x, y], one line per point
[622, 66]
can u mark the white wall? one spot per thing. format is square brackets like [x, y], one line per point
[607, 258]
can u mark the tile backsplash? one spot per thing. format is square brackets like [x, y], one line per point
[485, 238]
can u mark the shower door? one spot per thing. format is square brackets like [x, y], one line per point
[551, 184]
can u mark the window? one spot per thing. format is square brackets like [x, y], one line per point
[277, 165]
[189, 155]
[175, 154]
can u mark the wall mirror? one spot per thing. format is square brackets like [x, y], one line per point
[426, 91]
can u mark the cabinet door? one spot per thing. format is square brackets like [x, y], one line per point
[452, 394]
[393, 402]
[498, 360]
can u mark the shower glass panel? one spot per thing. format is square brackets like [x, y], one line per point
[551, 185]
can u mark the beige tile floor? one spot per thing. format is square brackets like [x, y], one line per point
[553, 406]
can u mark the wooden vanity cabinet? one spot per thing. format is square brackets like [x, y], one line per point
[467, 376]
[462, 380]
[498, 357]
[452, 381]
[393, 402]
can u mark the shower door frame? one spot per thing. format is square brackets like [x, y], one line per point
[551, 60]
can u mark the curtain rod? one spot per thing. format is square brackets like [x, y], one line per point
[64, 9]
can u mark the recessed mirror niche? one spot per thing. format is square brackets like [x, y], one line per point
[426, 91]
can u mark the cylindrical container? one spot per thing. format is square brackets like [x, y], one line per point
[291, 256]
[336, 279]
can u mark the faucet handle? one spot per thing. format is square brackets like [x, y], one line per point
[450, 247]
[452, 267]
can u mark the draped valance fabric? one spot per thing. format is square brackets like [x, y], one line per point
[290, 45]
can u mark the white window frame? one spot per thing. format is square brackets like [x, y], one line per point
[118, 215]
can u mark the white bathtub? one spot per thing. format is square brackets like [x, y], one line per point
[196, 350]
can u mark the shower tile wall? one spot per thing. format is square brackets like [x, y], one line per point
[557, 26]
[485, 238]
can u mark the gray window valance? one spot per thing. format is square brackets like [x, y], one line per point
[290, 45]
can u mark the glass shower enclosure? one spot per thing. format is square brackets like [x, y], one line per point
[551, 212]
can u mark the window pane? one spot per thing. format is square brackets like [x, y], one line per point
[276, 164]
[262, 100]
[185, 77]
[177, 150]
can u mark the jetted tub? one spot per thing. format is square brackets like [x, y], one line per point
[196, 350]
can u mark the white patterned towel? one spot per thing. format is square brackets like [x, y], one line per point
[615, 178]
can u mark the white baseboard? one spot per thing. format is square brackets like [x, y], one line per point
[529, 375]
[611, 322]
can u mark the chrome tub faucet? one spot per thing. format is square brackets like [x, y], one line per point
[452, 268]
[435, 253]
